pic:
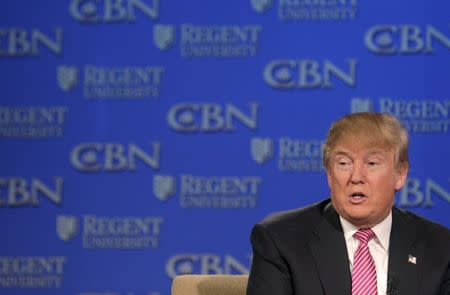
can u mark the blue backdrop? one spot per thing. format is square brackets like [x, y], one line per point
[142, 139]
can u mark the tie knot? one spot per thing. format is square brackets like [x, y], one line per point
[364, 235]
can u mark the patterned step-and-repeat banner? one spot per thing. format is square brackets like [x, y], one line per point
[142, 139]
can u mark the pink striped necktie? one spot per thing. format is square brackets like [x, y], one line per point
[364, 275]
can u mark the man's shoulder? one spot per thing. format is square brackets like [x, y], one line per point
[424, 226]
[300, 218]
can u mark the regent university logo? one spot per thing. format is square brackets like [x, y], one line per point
[417, 115]
[33, 122]
[164, 186]
[209, 191]
[291, 154]
[123, 82]
[359, 105]
[317, 10]
[67, 227]
[67, 77]
[104, 232]
[261, 5]
[261, 149]
[229, 40]
[163, 36]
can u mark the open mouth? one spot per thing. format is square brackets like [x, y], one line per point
[357, 197]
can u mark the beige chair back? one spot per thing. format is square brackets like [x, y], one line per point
[209, 285]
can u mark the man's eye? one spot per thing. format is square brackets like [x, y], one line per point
[343, 163]
[372, 163]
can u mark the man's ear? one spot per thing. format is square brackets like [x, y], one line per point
[401, 175]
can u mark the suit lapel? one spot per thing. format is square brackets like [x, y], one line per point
[405, 257]
[330, 254]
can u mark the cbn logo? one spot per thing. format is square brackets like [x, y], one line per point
[111, 157]
[261, 5]
[308, 73]
[164, 186]
[205, 263]
[261, 149]
[404, 39]
[20, 42]
[67, 77]
[67, 227]
[22, 192]
[112, 11]
[210, 117]
[163, 36]
[418, 193]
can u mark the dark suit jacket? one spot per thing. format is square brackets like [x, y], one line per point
[303, 252]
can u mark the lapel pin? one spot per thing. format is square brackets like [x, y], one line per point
[412, 259]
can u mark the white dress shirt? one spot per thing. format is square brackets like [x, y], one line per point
[378, 247]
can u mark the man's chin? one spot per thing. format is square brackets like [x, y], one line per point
[360, 220]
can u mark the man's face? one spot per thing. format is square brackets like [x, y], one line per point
[363, 179]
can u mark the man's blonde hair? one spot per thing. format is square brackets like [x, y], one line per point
[373, 129]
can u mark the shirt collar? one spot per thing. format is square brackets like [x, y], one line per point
[382, 230]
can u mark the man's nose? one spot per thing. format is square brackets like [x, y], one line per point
[358, 174]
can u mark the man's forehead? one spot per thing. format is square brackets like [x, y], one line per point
[357, 146]
[362, 141]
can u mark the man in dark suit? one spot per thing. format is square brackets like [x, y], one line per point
[356, 242]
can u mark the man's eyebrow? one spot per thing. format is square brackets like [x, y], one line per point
[376, 152]
[341, 153]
